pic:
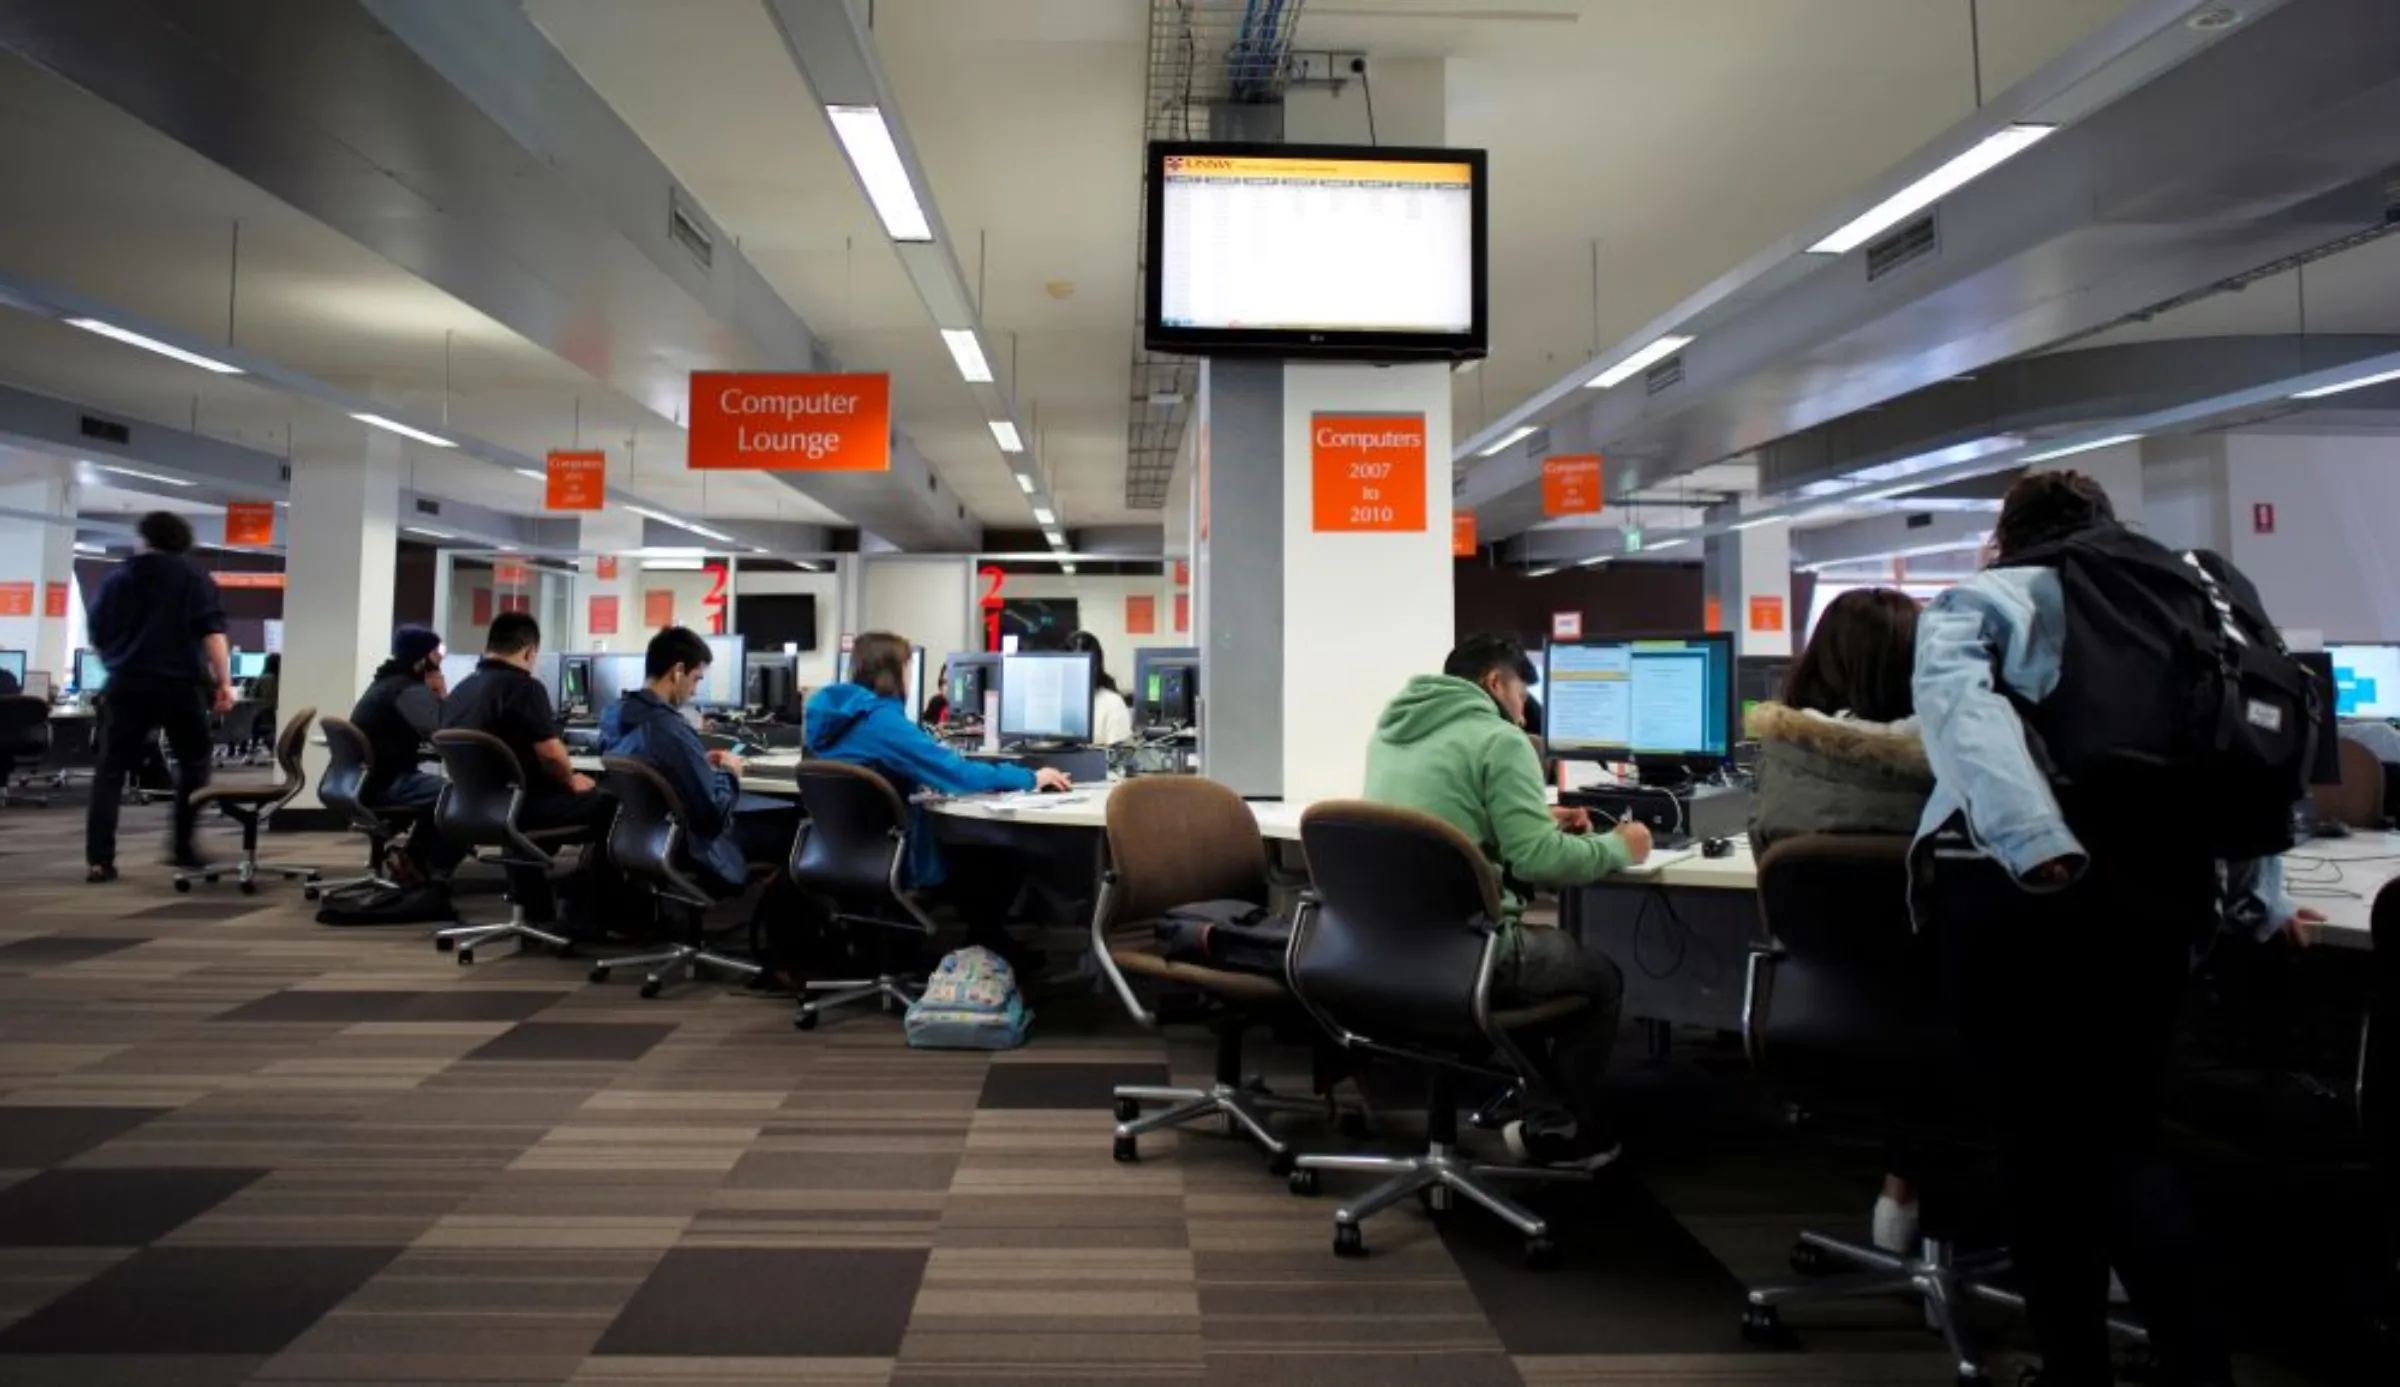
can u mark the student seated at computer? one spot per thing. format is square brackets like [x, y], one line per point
[503, 699]
[1453, 745]
[269, 681]
[1112, 716]
[864, 723]
[725, 831]
[936, 712]
[398, 715]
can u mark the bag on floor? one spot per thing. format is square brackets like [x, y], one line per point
[971, 1003]
[1235, 936]
[417, 903]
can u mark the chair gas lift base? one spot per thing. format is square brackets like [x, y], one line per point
[1239, 1103]
[250, 806]
[464, 940]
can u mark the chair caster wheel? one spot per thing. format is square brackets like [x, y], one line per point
[1541, 1254]
[1282, 1162]
[1808, 1259]
[1352, 1124]
[1127, 1110]
[1763, 1326]
[598, 974]
[1348, 1241]
[443, 946]
[1302, 1183]
[650, 987]
[805, 1021]
[310, 893]
[1125, 1151]
[182, 887]
[465, 957]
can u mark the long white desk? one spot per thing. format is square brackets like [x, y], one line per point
[2339, 878]
[1086, 806]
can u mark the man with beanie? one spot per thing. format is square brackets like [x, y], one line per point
[398, 715]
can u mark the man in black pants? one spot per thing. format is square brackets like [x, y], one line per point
[159, 626]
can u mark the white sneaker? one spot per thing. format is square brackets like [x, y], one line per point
[1897, 1226]
[1555, 1150]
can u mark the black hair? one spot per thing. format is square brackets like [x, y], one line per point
[166, 532]
[2044, 506]
[676, 645]
[1860, 658]
[1477, 656]
[1085, 643]
[274, 664]
[513, 633]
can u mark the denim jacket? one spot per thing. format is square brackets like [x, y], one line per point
[2013, 621]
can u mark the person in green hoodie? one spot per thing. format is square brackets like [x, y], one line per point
[1453, 745]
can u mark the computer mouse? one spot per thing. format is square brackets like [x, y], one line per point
[1716, 847]
[1052, 789]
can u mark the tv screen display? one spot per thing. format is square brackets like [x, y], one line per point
[1317, 250]
[770, 621]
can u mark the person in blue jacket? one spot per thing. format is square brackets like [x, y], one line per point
[865, 723]
[724, 830]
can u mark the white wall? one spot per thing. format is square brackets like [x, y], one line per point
[2333, 562]
[928, 600]
[2184, 493]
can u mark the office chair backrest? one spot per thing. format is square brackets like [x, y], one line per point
[348, 763]
[646, 840]
[1177, 839]
[24, 725]
[2358, 799]
[291, 743]
[1850, 997]
[1402, 940]
[478, 808]
[852, 831]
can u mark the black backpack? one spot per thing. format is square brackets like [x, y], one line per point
[2174, 688]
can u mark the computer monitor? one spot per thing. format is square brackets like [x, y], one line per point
[1046, 696]
[249, 664]
[456, 668]
[770, 683]
[12, 664]
[1757, 679]
[1150, 665]
[549, 669]
[575, 682]
[973, 674]
[2366, 681]
[91, 676]
[614, 676]
[1666, 701]
[2326, 769]
[724, 687]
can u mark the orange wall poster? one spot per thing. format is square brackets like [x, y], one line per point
[1571, 485]
[658, 608]
[1183, 573]
[1141, 614]
[1369, 472]
[1462, 534]
[516, 602]
[1183, 612]
[578, 480]
[250, 522]
[1766, 613]
[785, 421]
[16, 599]
[1566, 626]
[604, 615]
[605, 569]
[274, 581]
[1713, 615]
[509, 575]
[54, 599]
[483, 607]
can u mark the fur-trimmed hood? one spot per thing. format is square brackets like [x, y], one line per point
[1895, 746]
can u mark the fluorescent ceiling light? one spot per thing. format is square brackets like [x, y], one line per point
[137, 472]
[1640, 361]
[665, 519]
[1067, 568]
[428, 534]
[968, 353]
[670, 551]
[1653, 546]
[672, 565]
[404, 430]
[1057, 540]
[1755, 522]
[1539, 572]
[1024, 483]
[2073, 448]
[1043, 517]
[1004, 433]
[2360, 384]
[1507, 441]
[1594, 562]
[152, 344]
[876, 159]
[531, 474]
[82, 548]
[1994, 150]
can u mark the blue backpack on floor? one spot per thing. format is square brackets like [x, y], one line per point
[971, 1003]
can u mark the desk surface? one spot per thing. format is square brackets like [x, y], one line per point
[2339, 878]
[1686, 867]
[1086, 806]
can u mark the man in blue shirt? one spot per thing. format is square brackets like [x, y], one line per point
[159, 626]
[724, 830]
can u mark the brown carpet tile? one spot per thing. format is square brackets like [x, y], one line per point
[237, 1147]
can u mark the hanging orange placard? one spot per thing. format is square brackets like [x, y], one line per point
[509, 575]
[250, 523]
[578, 480]
[273, 581]
[790, 421]
[1766, 613]
[1141, 614]
[1571, 485]
[1462, 534]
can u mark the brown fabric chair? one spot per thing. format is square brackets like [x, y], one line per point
[2358, 799]
[249, 804]
[1177, 840]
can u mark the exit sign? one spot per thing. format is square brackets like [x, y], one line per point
[2262, 518]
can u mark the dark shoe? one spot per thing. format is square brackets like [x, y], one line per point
[100, 873]
[187, 862]
[1560, 1150]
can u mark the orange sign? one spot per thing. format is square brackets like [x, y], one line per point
[1183, 612]
[577, 480]
[54, 599]
[483, 607]
[509, 575]
[272, 581]
[658, 608]
[1766, 613]
[604, 616]
[784, 421]
[1712, 615]
[1566, 626]
[1141, 614]
[1183, 573]
[250, 522]
[1369, 472]
[16, 599]
[1462, 534]
[1571, 485]
[515, 602]
[606, 568]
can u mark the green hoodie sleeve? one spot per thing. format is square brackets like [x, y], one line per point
[1532, 844]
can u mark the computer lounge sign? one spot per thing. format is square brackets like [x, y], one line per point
[783, 421]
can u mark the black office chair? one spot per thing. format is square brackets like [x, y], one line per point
[852, 853]
[1392, 952]
[478, 812]
[2378, 1091]
[24, 742]
[348, 766]
[1842, 1010]
[251, 805]
[646, 842]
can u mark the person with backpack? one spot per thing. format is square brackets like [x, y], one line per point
[2111, 726]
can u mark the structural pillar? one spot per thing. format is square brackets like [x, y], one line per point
[40, 555]
[1748, 573]
[614, 535]
[341, 550]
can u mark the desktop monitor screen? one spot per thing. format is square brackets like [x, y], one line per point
[91, 676]
[249, 664]
[549, 669]
[971, 677]
[575, 681]
[456, 668]
[1046, 696]
[1669, 700]
[2326, 769]
[2366, 680]
[728, 661]
[613, 677]
[12, 664]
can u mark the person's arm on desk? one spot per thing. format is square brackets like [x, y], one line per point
[2255, 900]
[1536, 847]
[551, 759]
[937, 767]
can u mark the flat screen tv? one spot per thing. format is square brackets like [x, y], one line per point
[1335, 252]
[771, 621]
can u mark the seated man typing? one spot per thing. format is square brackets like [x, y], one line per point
[503, 698]
[724, 830]
[1453, 745]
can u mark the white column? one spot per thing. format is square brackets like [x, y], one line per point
[615, 534]
[341, 546]
[1763, 620]
[42, 555]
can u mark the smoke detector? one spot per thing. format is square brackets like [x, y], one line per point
[2214, 19]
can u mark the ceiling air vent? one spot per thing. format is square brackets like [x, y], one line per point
[1914, 241]
[1664, 375]
[427, 506]
[1919, 521]
[106, 431]
[685, 230]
